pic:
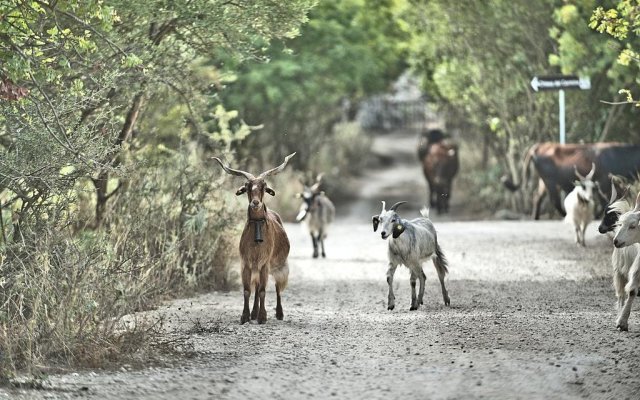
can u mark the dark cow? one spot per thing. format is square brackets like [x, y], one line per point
[555, 165]
[439, 158]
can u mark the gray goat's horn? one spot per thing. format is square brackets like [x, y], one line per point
[278, 169]
[316, 186]
[236, 172]
[395, 206]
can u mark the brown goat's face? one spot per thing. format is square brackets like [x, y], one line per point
[255, 190]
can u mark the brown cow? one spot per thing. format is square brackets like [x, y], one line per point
[439, 158]
[555, 164]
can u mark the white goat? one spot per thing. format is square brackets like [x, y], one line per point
[628, 235]
[411, 243]
[623, 258]
[318, 211]
[579, 204]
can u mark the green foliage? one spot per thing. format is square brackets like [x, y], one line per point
[348, 50]
[107, 112]
[622, 24]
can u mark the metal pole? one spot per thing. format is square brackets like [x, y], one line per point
[561, 116]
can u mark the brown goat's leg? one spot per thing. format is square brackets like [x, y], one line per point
[279, 313]
[246, 283]
[254, 310]
[262, 287]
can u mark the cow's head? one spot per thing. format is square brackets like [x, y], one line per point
[390, 221]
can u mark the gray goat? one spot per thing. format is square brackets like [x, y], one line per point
[319, 213]
[411, 243]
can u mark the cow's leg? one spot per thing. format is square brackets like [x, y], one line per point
[414, 298]
[554, 196]
[422, 278]
[315, 245]
[262, 284]
[391, 302]
[537, 199]
[246, 284]
[433, 197]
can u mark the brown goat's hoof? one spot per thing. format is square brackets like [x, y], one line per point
[315, 255]
[622, 327]
[412, 308]
[324, 255]
[279, 316]
[391, 307]
[244, 319]
[254, 314]
[262, 317]
[447, 302]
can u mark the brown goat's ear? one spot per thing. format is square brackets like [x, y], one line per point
[397, 230]
[376, 220]
[241, 190]
[270, 191]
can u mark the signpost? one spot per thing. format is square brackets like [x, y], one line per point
[559, 83]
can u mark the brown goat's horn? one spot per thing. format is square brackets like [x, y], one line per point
[277, 169]
[236, 172]
[395, 206]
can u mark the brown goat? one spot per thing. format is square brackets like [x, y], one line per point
[264, 245]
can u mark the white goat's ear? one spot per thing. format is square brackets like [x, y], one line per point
[398, 229]
[376, 221]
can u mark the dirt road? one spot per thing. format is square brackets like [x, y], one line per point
[531, 317]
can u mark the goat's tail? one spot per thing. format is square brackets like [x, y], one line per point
[440, 261]
[425, 212]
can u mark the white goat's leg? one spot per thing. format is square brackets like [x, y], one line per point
[321, 237]
[391, 303]
[422, 278]
[632, 290]
[619, 282]
[577, 229]
[583, 229]
[445, 294]
[414, 298]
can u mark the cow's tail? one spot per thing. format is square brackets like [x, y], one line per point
[512, 186]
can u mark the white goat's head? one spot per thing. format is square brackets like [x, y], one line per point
[628, 232]
[391, 222]
[308, 195]
[586, 184]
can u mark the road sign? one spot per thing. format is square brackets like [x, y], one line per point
[559, 82]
